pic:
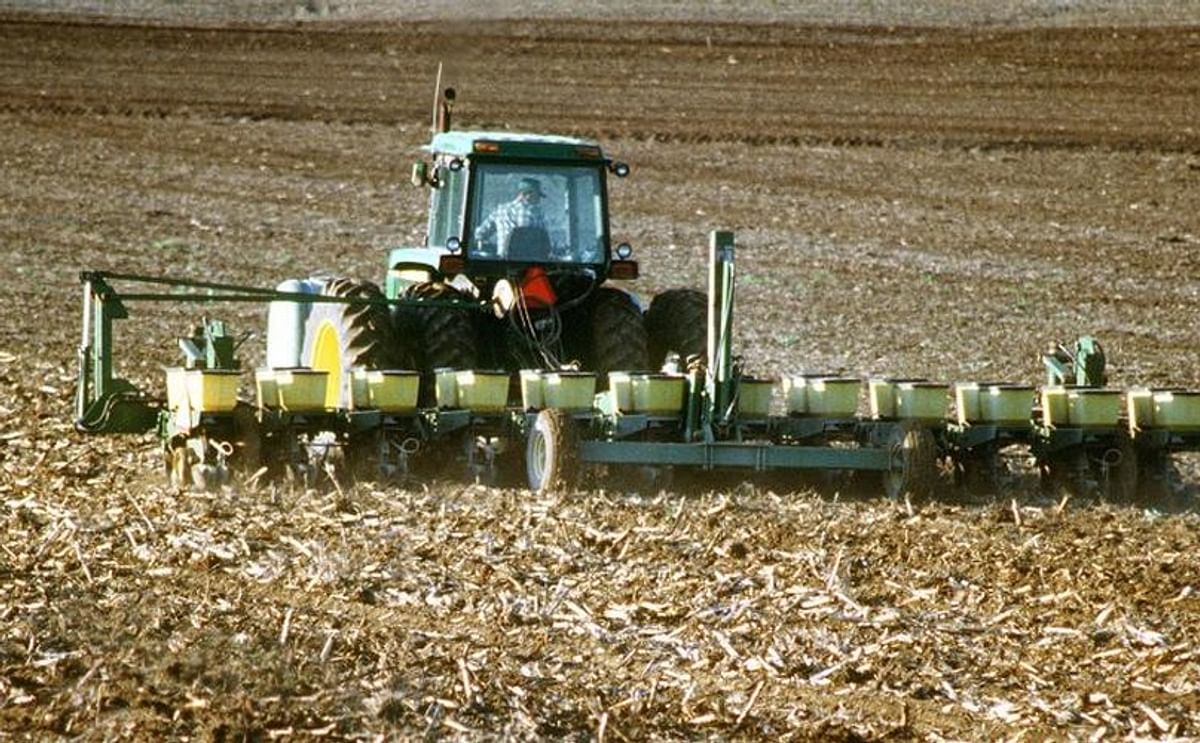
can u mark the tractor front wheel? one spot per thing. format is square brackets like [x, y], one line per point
[551, 452]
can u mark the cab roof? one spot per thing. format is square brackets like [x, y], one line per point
[515, 144]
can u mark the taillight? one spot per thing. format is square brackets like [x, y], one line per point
[452, 264]
[623, 270]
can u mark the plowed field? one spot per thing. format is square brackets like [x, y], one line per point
[932, 200]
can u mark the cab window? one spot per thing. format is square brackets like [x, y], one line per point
[446, 206]
[537, 213]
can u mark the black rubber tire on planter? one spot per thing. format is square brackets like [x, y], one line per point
[441, 337]
[1068, 473]
[1160, 484]
[364, 334]
[914, 458]
[677, 321]
[1122, 484]
[552, 453]
[980, 473]
[618, 335]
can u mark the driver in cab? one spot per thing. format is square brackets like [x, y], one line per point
[522, 218]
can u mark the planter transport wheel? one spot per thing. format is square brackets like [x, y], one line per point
[913, 467]
[551, 452]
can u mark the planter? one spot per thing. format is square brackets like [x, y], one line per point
[1094, 408]
[833, 397]
[1177, 411]
[531, 389]
[1006, 404]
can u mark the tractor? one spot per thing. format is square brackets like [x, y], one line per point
[514, 274]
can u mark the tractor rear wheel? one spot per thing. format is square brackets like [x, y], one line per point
[913, 471]
[618, 334]
[677, 321]
[442, 337]
[338, 336]
[551, 452]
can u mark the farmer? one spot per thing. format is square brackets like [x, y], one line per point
[525, 210]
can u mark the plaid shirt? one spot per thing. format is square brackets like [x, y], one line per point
[504, 219]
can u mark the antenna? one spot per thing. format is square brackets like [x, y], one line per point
[442, 100]
[437, 99]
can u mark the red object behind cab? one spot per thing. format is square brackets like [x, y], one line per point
[536, 289]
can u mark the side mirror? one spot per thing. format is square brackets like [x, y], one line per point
[420, 173]
[619, 169]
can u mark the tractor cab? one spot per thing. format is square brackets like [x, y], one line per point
[503, 204]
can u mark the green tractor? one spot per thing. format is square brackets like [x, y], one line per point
[514, 274]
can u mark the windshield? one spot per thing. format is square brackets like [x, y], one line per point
[537, 213]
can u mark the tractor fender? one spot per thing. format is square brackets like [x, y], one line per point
[411, 266]
[285, 323]
[635, 299]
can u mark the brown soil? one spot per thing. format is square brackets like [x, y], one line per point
[931, 201]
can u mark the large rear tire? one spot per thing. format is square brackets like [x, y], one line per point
[442, 337]
[618, 334]
[677, 321]
[339, 336]
[552, 453]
